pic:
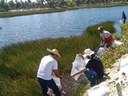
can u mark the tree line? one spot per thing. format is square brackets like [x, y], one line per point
[6, 5]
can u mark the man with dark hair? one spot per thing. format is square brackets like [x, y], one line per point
[123, 17]
[95, 65]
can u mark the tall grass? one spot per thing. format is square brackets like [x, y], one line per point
[19, 62]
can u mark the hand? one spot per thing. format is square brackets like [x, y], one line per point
[72, 75]
[101, 45]
[61, 77]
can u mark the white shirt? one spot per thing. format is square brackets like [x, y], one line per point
[105, 34]
[46, 67]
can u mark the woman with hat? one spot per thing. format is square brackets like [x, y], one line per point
[106, 37]
[47, 67]
[93, 70]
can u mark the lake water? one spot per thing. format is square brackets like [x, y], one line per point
[58, 24]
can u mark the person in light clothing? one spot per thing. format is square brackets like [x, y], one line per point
[47, 67]
[106, 37]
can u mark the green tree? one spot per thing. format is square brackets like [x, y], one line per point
[2, 5]
[11, 5]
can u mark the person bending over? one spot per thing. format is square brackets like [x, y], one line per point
[94, 70]
[49, 65]
[106, 37]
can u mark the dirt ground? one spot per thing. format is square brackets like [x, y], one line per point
[69, 85]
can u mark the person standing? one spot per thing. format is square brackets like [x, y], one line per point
[106, 37]
[47, 67]
[123, 17]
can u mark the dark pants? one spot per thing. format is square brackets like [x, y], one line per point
[48, 83]
[92, 76]
[124, 20]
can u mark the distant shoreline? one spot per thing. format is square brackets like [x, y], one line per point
[12, 13]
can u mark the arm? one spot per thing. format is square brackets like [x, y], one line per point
[80, 71]
[57, 73]
[102, 43]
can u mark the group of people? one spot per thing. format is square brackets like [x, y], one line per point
[93, 70]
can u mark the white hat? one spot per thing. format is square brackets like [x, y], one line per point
[88, 52]
[54, 51]
[100, 28]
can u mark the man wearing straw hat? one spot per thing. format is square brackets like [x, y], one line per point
[47, 67]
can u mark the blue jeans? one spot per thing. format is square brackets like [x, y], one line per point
[48, 83]
[92, 76]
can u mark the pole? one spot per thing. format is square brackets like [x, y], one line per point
[119, 91]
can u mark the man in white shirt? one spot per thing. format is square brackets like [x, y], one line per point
[47, 67]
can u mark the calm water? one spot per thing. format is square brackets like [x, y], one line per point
[54, 25]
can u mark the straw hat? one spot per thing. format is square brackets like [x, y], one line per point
[54, 51]
[88, 52]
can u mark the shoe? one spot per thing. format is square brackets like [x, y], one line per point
[63, 93]
[93, 84]
[102, 80]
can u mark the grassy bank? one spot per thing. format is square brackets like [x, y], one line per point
[60, 9]
[19, 62]
[114, 53]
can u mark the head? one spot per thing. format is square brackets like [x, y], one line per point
[54, 53]
[91, 56]
[88, 53]
[100, 29]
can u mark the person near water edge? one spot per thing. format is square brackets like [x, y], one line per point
[107, 38]
[123, 17]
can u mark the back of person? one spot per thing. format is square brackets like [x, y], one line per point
[123, 15]
[46, 67]
[97, 66]
[107, 37]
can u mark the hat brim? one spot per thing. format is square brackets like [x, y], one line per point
[53, 52]
[88, 52]
[100, 28]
